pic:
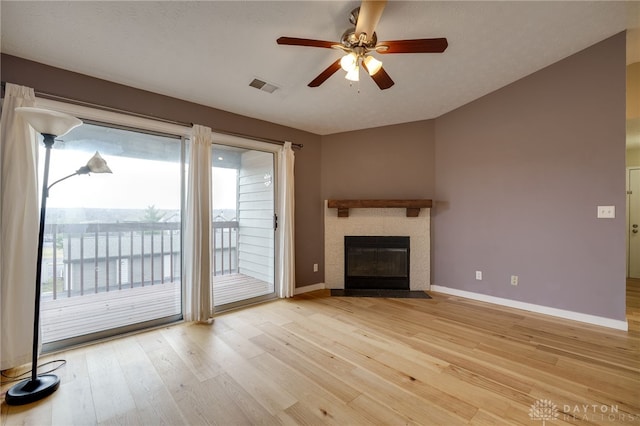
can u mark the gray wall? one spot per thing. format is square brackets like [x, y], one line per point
[383, 162]
[519, 174]
[516, 176]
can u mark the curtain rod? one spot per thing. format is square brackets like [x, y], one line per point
[151, 117]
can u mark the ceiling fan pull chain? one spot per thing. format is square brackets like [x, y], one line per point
[357, 86]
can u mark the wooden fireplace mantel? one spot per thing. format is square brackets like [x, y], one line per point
[413, 206]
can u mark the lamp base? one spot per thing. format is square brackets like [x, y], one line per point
[29, 391]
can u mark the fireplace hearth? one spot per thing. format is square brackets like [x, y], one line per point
[376, 263]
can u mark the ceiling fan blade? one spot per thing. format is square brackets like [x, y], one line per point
[324, 75]
[293, 41]
[382, 79]
[368, 17]
[421, 45]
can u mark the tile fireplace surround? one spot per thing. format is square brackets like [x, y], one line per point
[378, 222]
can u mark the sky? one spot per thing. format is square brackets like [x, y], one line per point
[134, 183]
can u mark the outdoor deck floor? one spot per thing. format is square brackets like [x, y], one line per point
[76, 316]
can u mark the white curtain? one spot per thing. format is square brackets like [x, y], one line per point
[286, 268]
[19, 219]
[198, 250]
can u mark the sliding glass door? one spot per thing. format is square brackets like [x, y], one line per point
[244, 223]
[112, 255]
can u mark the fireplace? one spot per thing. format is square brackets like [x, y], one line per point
[379, 262]
[381, 222]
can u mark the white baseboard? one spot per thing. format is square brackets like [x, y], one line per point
[308, 288]
[561, 313]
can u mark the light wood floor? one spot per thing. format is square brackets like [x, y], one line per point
[316, 359]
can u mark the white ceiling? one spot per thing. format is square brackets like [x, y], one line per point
[208, 52]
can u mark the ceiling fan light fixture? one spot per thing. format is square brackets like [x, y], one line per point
[358, 42]
[349, 62]
[354, 74]
[372, 65]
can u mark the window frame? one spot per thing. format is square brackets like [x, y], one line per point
[107, 118]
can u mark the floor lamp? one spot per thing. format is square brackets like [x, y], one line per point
[50, 124]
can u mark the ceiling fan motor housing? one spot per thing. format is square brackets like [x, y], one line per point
[349, 40]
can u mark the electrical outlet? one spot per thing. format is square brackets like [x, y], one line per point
[315, 267]
[514, 280]
[479, 275]
[606, 212]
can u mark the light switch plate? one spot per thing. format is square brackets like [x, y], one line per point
[606, 212]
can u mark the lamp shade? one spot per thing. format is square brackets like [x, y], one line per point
[349, 62]
[372, 65]
[95, 165]
[354, 74]
[46, 121]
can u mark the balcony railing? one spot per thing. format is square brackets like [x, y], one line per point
[101, 257]
[225, 247]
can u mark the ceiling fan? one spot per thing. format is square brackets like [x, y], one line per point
[360, 41]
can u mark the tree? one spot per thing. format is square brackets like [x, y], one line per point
[151, 214]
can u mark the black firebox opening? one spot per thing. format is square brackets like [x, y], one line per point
[376, 262]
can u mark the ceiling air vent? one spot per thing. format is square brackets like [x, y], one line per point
[263, 85]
